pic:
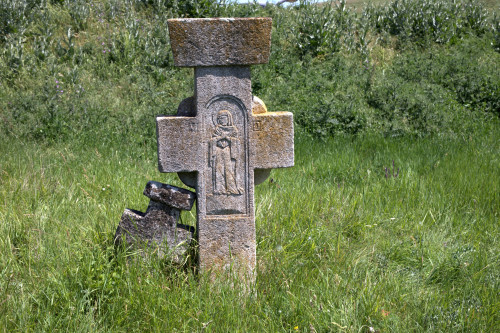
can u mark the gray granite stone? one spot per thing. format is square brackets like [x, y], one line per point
[223, 141]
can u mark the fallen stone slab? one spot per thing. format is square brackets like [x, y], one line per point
[170, 195]
[157, 230]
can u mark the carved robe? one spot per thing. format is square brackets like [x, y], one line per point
[224, 151]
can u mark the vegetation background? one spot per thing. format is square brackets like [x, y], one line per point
[388, 221]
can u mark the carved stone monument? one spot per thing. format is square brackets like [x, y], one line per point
[223, 141]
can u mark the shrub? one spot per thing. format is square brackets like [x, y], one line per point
[495, 24]
[472, 77]
[403, 107]
[189, 8]
[14, 16]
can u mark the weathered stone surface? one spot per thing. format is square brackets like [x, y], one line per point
[220, 41]
[188, 108]
[218, 144]
[273, 134]
[170, 195]
[157, 229]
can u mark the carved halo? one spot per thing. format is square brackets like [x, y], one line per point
[215, 115]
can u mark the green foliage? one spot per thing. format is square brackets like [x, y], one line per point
[439, 21]
[404, 108]
[124, 46]
[15, 15]
[435, 91]
[189, 8]
[325, 96]
[496, 31]
[79, 10]
[321, 29]
[470, 75]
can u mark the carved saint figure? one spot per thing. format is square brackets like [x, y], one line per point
[224, 155]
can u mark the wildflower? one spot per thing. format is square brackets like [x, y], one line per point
[296, 328]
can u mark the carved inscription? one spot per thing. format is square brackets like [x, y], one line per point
[227, 157]
[257, 125]
[193, 127]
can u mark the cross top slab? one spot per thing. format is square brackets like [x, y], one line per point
[223, 141]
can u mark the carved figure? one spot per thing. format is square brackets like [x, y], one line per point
[224, 155]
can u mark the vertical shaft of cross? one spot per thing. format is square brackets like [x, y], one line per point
[226, 223]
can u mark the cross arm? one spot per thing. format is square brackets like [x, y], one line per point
[272, 137]
[178, 144]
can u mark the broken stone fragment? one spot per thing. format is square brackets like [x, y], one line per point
[157, 229]
[170, 195]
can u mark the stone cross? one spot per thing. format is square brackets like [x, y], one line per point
[223, 141]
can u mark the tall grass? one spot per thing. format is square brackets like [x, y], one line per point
[343, 244]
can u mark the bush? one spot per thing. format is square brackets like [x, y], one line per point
[189, 8]
[115, 63]
[406, 108]
[464, 70]
[15, 15]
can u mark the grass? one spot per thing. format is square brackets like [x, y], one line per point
[341, 245]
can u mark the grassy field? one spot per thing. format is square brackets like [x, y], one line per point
[387, 222]
[343, 243]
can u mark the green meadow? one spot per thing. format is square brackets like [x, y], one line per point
[388, 222]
